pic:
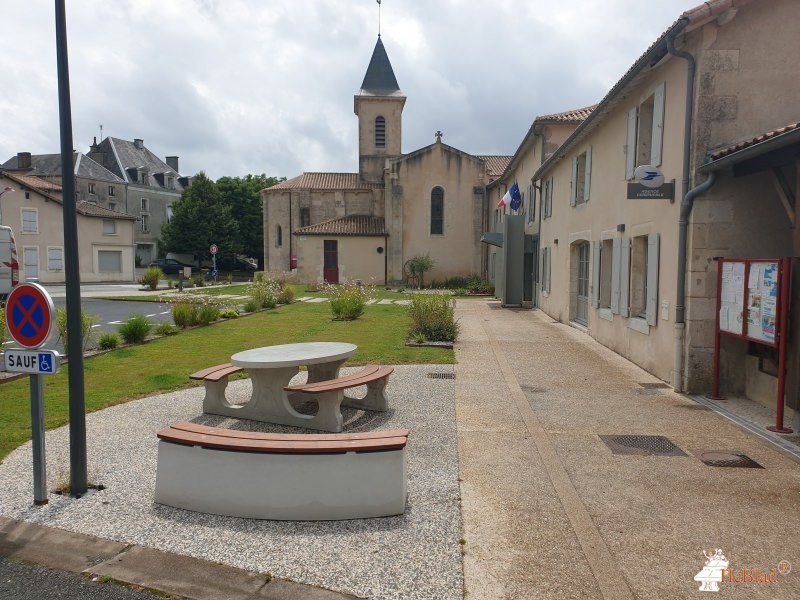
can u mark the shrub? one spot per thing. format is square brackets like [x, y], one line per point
[108, 341]
[348, 300]
[87, 321]
[265, 291]
[251, 305]
[419, 265]
[135, 330]
[286, 295]
[198, 281]
[207, 313]
[151, 277]
[184, 314]
[229, 313]
[165, 328]
[433, 316]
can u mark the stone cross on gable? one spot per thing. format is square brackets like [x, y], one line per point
[438, 135]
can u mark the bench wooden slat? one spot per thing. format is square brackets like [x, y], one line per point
[190, 427]
[272, 443]
[368, 370]
[342, 383]
[215, 373]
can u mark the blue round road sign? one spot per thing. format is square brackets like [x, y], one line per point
[29, 315]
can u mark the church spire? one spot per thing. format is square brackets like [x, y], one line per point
[380, 79]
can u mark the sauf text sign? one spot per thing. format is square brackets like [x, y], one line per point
[37, 362]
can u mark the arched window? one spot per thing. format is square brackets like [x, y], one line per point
[279, 236]
[380, 132]
[437, 211]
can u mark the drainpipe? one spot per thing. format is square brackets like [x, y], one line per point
[685, 210]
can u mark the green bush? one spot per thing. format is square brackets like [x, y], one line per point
[265, 291]
[151, 277]
[419, 265]
[184, 314]
[135, 330]
[433, 316]
[108, 341]
[165, 328]
[198, 281]
[4, 335]
[251, 305]
[229, 313]
[207, 313]
[348, 300]
[286, 295]
[87, 321]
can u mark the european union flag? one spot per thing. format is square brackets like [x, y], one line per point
[516, 197]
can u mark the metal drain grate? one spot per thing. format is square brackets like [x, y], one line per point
[641, 445]
[654, 386]
[725, 458]
[441, 375]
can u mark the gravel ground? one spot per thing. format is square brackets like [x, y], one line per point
[412, 556]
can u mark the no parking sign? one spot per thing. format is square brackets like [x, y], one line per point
[29, 315]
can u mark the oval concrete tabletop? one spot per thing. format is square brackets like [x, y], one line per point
[291, 355]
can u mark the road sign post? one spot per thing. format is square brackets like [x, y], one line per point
[214, 249]
[29, 317]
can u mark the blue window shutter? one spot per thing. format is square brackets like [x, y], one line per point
[596, 274]
[652, 278]
[658, 125]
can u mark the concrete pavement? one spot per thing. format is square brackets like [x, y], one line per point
[549, 508]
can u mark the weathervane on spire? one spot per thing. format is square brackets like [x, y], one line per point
[379, 18]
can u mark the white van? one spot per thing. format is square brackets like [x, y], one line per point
[9, 266]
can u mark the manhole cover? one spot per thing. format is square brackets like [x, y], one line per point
[725, 458]
[654, 386]
[641, 445]
[441, 375]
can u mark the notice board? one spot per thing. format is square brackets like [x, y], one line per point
[748, 299]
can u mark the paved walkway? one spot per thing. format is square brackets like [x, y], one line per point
[559, 495]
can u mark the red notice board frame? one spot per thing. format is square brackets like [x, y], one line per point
[759, 297]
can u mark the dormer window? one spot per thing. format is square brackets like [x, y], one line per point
[380, 132]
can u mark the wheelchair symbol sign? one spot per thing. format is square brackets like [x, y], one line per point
[45, 363]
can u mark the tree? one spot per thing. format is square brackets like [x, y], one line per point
[243, 196]
[419, 265]
[201, 218]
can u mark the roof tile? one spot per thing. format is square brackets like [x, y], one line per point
[351, 225]
[324, 181]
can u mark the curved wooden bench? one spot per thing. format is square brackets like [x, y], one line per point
[332, 390]
[216, 381]
[302, 477]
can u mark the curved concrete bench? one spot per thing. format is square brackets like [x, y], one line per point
[298, 477]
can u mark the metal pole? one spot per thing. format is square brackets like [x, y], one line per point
[37, 440]
[782, 329]
[77, 404]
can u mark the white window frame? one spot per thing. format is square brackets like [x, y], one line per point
[55, 259]
[32, 223]
[145, 204]
[109, 227]
[170, 213]
[546, 205]
[111, 190]
[643, 281]
[27, 251]
[145, 223]
[91, 188]
[645, 136]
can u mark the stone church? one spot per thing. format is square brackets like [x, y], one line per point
[339, 227]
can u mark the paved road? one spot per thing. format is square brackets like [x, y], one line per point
[24, 582]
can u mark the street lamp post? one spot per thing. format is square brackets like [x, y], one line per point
[8, 189]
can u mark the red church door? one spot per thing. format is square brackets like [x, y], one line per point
[330, 270]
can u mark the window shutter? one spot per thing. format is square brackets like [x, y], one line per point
[615, 274]
[573, 184]
[624, 275]
[652, 278]
[658, 125]
[549, 208]
[630, 148]
[588, 179]
[596, 274]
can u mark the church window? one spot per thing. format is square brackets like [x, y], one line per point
[437, 211]
[279, 236]
[380, 132]
[305, 217]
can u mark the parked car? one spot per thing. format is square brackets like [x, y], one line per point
[169, 266]
[236, 264]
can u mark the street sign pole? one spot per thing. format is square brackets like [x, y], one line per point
[37, 439]
[77, 404]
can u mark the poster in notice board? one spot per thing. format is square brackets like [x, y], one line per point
[762, 301]
[731, 309]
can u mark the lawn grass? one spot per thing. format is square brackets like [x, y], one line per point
[164, 364]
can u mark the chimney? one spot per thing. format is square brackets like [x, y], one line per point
[172, 161]
[138, 143]
[23, 160]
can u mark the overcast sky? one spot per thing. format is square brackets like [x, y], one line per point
[266, 86]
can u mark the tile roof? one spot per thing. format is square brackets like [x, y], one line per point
[93, 210]
[324, 181]
[753, 141]
[350, 225]
[496, 165]
[38, 183]
[570, 116]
